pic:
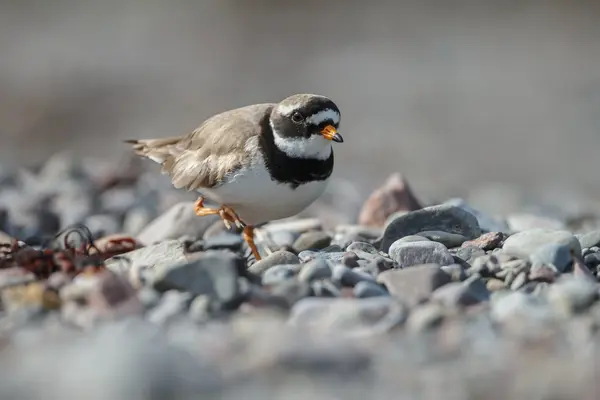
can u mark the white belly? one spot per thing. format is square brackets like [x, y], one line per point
[256, 198]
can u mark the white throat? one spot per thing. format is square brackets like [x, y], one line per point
[315, 147]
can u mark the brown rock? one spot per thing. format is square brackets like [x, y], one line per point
[487, 241]
[393, 196]
[414, 284]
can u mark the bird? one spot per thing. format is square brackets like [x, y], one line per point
[258, 163]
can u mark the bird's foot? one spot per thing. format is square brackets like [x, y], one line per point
[227, 214]
[248, 235]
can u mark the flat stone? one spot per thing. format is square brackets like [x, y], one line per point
[414, 284]
[180, 220]
[524, 244]
[487, 241]
[415, 253]
[279, 257]
[444, 218]
[556, 254]
[449, 240]
[213, 273]
[314, 240]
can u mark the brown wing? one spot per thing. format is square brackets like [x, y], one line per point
[203, 158]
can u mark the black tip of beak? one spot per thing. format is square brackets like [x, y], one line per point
[338, 138]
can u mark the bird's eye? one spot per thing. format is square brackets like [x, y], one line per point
[297, 117]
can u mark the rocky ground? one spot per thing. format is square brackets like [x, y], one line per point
[403, 300]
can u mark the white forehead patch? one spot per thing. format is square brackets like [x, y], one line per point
[316, 146]
[324, 115]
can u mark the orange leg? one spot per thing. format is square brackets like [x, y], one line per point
[226, 213]
[248, 235]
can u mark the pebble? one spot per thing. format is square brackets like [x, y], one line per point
[487, 241]
[179, 220]
[444, 218]
[365, 289]
[291, 291]
[173, 305]
[414, 284]
[570, 295]
[347, 277]
[325, 288]
[348, 317]
[449, 240]
[308, 255]
[469, 292]
[280, 273]
[315, 270]
[315, 240]
[279, 257]
[470, 253]
[224, 241]
[589, 239]
[393, 196]
[524, 244]
[363, 247]
[213, 273]
[555, 254]
[415, 253]
[494, 285]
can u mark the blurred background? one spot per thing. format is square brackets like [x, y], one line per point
[456, 95]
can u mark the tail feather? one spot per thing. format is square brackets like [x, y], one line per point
[157, 150]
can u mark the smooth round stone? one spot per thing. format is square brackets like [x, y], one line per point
[314, 240]
[558, 255]
[449, 240]
[589, 239]
[367, 289]
[524, 244]
[416, 253]
[315, 270]
[446, 218]
[280, 273]
[592, 260]
[276, 258]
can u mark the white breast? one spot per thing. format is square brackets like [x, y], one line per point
[257, 198]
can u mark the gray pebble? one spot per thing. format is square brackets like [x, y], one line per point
[366, 289]
[315, 270]
[556, 254]
[524, 244]
[308, 255]
[276, 258]
[470, 253]
[415, 253]
[280, 273]
[345, 276]
[589, 239]
[362, 247]
[173, 304]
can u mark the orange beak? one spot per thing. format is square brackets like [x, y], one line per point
[330, 133]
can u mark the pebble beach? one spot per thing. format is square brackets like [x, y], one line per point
[394, 298]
